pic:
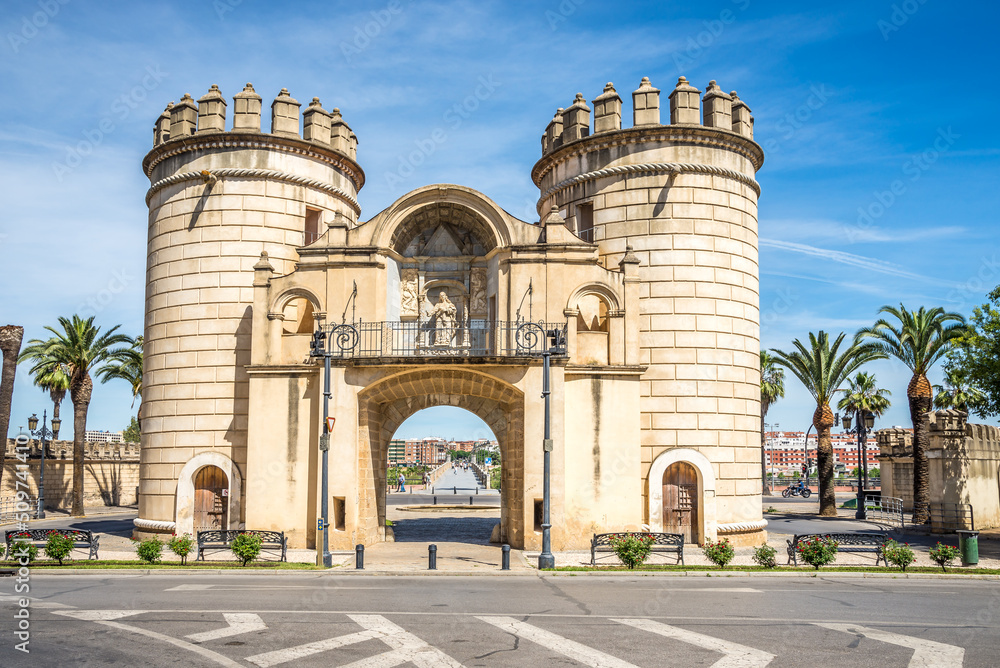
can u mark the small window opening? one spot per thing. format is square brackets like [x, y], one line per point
[339, 513]
[585, 221]
[312, 225]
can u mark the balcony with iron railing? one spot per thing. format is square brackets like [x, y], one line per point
[424, 340]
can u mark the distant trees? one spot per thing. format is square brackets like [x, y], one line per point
[772, 388]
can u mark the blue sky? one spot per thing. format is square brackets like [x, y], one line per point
[877, 119]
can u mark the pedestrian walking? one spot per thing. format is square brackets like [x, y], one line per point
[402, 482]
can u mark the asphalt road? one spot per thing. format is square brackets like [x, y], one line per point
[612, 622]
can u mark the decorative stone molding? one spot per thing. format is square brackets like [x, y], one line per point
[266, 174]
[741, 527]
[185, 489]
[153, 525]
[652, 168]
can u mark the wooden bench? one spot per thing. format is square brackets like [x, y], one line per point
[846, 542]
[79, 537]
[221, 540]
[662, 543]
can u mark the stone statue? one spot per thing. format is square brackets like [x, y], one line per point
[478, 290]
[408, 292]
[445, 320]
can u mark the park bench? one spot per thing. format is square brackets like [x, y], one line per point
[846, 542]
[80, 538]
[662, 543]
[215, 540]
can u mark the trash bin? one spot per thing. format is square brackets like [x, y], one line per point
[968, 545]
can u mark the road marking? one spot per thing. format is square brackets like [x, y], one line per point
[35, 603]
[736, 655]
[406, 647]
[727, 590]
[239, 622]
[101, 617]
[574, 650]
[926, 653]
[236, 587]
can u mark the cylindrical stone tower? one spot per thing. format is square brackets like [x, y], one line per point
[217, 200]
[682, 194]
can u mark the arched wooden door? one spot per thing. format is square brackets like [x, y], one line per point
[211, 499]
[680, 501]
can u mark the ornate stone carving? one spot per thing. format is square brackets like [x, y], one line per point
[445, 320]
[478, 290]
[408, 292]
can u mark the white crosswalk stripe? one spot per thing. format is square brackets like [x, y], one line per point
[574, 650]
[926, 653]
[736, 655]
[406, 647]
[238, 622]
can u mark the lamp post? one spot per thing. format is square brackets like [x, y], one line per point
[865, 423]
[556, 341]
[805, 462]
[317, 348]
[42, 434]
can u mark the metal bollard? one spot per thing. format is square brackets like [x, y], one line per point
[505, 557]
[454, 490]
[359, 557]
[432, 557]
[477, 490]
[435, 500]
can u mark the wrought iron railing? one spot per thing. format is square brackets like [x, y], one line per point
[479, 338]
[884, 509]
[948, 517]
[11, 508]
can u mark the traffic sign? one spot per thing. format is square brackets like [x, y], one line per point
[329, 423]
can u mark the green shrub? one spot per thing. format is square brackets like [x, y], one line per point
[58, 546]
[720, 552]
[19, 547]
[632, 548]
[817, 551]
[899, 555]
[149, 550]
[943, 555]
[182, 546]
[246, 547]
[764, 556]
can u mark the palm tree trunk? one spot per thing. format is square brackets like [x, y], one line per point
[823, 421]
[919, 393]
[10, 346]
[81, 389]
[763, 452]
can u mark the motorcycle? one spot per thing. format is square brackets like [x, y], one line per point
[796, 490]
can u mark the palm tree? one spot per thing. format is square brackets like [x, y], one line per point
[81, 348]
[918, 339]
[863, 395]
[127, 367]
[10, 345]
[956, 391]
[823, 367]
[54, 378]
[772, 388]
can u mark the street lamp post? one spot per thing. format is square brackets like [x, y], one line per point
[556, 342]
[319, 349]
[42, 434]
[865, 423]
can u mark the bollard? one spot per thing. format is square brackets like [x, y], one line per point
[435, 500]
[470, 500]
[454, 490]
[432, 489]
[477, 490]
[359, 557]
[505, 557]
[432, 557]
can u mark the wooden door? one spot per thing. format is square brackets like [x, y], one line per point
[680, 501]
[211, 500]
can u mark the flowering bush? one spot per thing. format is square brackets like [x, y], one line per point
[21, 547]
[817, 551]
[246, 546]
[149, 550]
[764, 556]
[898, 555]
[720, 552]
[58, 546]
[632, 548]
[944, 554]
[181, 546]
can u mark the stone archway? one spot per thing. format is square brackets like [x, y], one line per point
[386, 404]
[184, 514]
[706, 529]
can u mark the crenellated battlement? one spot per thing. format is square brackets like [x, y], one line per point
[716, 109]
[208, 115]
